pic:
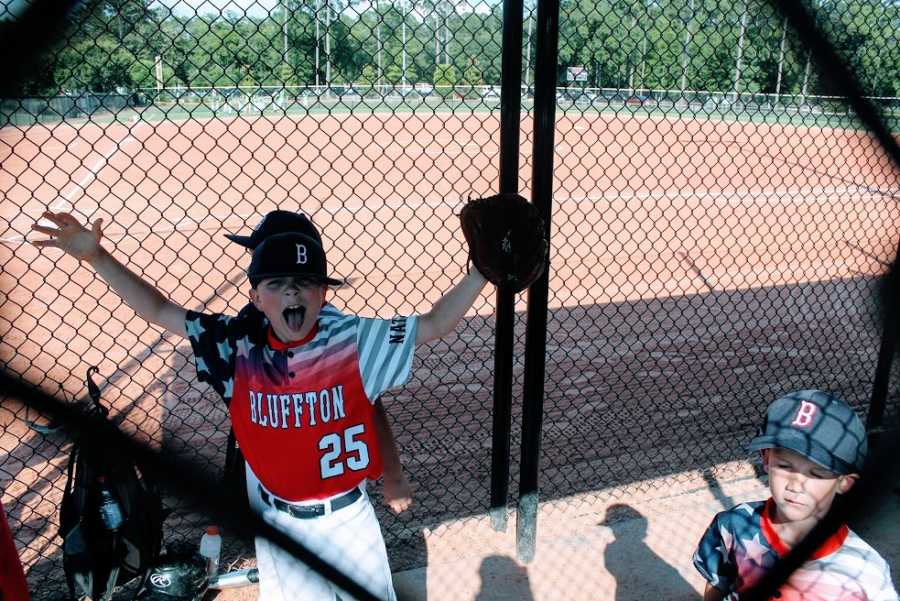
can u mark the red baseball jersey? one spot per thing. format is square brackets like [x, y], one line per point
[303, 414]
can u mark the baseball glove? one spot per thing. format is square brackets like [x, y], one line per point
[506, 238]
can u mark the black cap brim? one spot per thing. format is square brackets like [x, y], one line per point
[327, 281]
[244, 241]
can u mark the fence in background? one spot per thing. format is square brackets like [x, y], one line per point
[710, 250]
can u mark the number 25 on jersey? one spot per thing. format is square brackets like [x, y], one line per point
[336, 445]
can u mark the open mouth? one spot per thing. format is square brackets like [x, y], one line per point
[293, 317]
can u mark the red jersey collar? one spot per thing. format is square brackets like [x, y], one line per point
[278, 345]
[831, 544]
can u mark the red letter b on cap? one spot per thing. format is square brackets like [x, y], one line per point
[805, 414]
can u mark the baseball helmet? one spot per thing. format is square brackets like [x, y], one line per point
[175, 577]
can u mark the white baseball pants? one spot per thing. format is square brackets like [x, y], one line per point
[349, 539]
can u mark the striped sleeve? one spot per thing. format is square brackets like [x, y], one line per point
[386, 349]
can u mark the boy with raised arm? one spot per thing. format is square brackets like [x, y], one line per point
[300, 394]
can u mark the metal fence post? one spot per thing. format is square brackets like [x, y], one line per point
[510, 107]
[890, 296]
[536, 330]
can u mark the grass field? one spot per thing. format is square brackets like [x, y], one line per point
[833, 115]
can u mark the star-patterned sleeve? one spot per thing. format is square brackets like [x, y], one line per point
[714, 558]
[213, 339]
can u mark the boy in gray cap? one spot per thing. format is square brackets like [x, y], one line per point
[813, 447]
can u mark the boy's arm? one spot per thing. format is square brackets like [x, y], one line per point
[83, 244]
[450, 308]
[397, 491]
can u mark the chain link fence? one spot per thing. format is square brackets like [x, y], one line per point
[720, 222]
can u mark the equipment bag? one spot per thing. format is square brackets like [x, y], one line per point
[96, 560]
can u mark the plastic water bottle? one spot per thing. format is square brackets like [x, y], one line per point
[210, 549]
[110, 512]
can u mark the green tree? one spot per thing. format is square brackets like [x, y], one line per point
[472, 75]
[638, 44]
[393, 74]
[368, 79]
[445, 79]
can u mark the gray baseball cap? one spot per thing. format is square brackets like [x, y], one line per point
[817, 425]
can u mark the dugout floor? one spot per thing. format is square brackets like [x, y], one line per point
[641, 552]
[619, 545]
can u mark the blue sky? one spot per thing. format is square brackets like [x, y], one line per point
[260, 8]
[255, 8]
[12, 8]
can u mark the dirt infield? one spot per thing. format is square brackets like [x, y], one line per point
[682, 204]
[694, 265]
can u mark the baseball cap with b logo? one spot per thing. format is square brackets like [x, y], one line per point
[817, 425]
[289, 254]
[278, 222]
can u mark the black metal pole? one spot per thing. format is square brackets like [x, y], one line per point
[536, 329]
[502, 408]
[889, 299]
[510, 107]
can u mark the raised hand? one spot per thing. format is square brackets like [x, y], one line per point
[70, 236]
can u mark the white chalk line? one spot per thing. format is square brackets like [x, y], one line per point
[47, 149]
[808, 195]
[94, 170]
[216, 221]
[795, 195]
[189, 224]
[445, 142]
[92, 173]
[65, 199]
